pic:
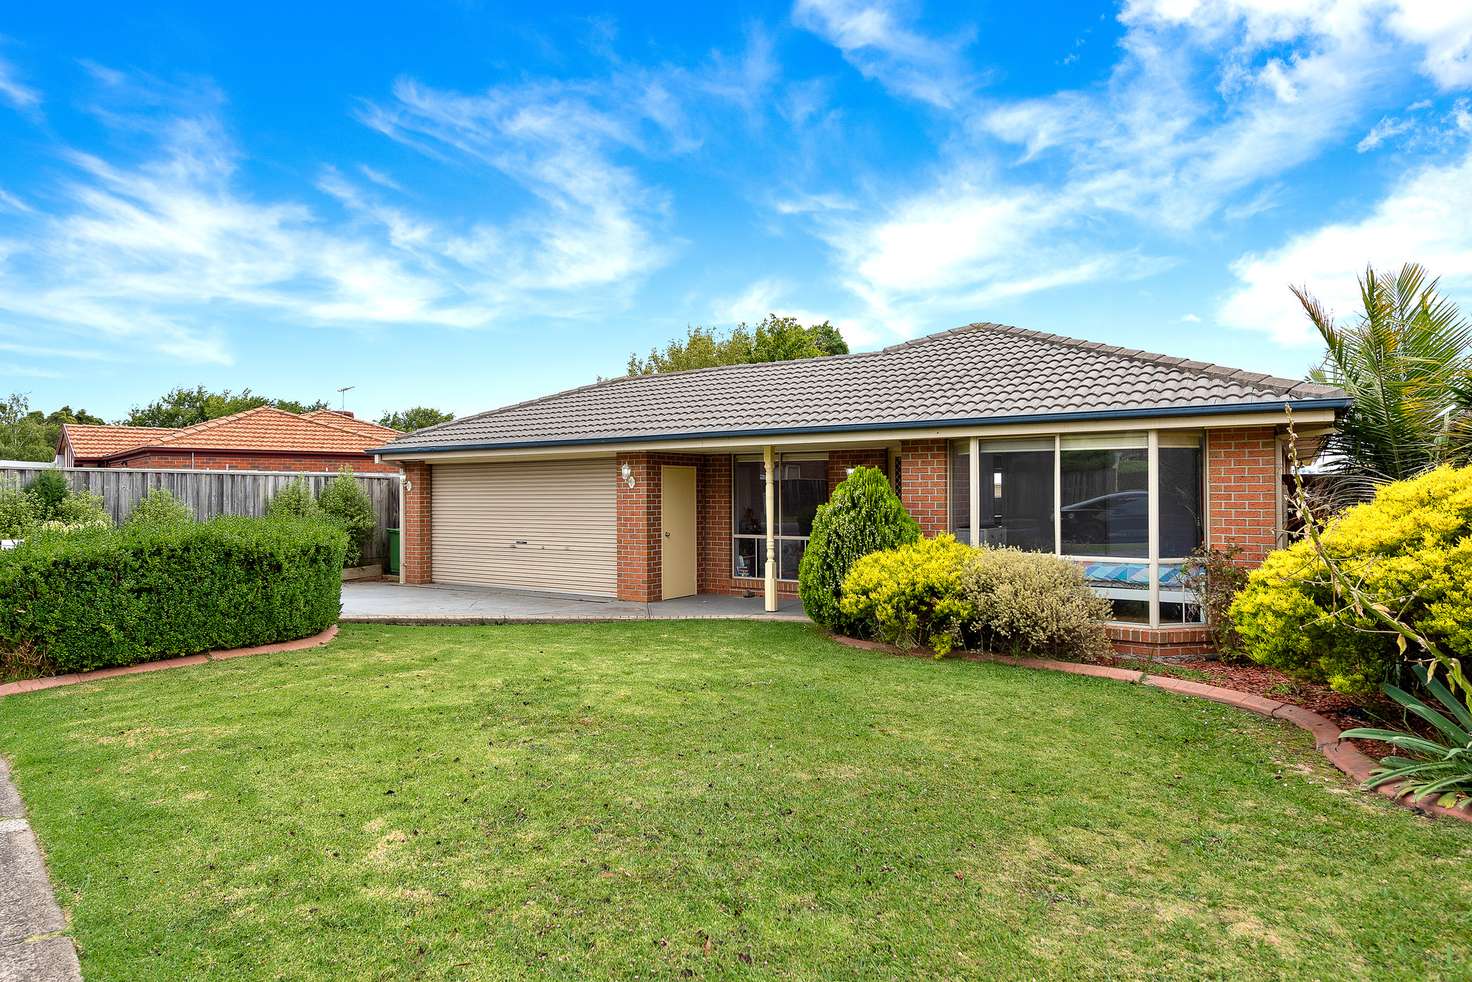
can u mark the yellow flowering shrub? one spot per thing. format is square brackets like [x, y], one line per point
[1410, 547]
[912, 595]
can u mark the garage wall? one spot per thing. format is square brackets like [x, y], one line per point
[540, 525]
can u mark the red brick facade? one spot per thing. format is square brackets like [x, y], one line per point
[925, 483]
[224, 460]
[415, 540]
[1244, 485]
[1243, 477]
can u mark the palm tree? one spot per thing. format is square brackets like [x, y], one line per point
[1405, 362]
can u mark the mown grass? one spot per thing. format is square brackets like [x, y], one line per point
[708, 799]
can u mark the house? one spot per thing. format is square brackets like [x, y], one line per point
[662, 486]
[260, 439]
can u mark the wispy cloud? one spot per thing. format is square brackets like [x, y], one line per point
[15, 92]
[875, 38]
[1427, 218]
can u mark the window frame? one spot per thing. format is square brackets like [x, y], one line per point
[778, 538]
[1151, 441]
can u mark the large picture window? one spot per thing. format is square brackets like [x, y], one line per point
[802, 485]
[1089, 497]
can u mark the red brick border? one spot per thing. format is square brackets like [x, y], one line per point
[76, 678]
[1343, 754]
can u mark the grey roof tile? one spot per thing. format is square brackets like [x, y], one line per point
[980, 371]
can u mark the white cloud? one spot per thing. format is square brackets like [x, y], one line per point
[1426, 219]
[12, 90]
[1387, 127]
[874, 38]
[759, 299]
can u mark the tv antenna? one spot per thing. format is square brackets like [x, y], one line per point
[344, 393]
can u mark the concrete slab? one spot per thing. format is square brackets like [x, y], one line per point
[45, 960]
[30, 918]
[393, 603]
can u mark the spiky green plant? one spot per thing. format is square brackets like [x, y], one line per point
[1440, 763]
[1405, 363]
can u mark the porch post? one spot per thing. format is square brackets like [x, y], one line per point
[769, 468]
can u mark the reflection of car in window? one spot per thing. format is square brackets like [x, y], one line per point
[1120, 517]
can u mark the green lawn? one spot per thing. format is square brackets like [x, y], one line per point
[716, 799]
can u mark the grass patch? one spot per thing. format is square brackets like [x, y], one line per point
[717, 799]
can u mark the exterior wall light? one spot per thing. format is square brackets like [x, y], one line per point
[627, 473]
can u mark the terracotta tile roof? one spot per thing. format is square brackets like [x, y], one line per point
[264, 428]
[353, 423]
[89, 442]
[970, 375]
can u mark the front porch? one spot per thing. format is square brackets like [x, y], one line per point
[380, 602]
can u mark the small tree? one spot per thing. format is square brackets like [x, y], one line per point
[294, 501]
[864, 515]
[347, 506]
[159, 509]
[49, 489]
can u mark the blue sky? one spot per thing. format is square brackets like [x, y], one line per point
[468, 204]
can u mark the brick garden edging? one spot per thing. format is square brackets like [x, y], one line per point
[75, 678]
[1343, 754]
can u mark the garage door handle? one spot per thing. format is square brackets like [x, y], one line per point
[518, 542]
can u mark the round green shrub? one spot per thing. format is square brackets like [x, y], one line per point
[912, 594]
[1410, 548]
[347, 506]
[106, 597]
[159, 508]
[19, 514]
[1033, 603]
[295, 500]
[49, 489]
[863, 515]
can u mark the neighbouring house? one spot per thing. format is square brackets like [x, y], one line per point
[260, 439]
[657, 486]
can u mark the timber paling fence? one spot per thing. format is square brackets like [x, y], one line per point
[212, 493]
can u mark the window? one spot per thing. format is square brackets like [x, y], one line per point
[1016, 494]
[802, 485]
[1105, 486]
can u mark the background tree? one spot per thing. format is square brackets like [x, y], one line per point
[1404, 360]
[414, 418]
[27, 434]
[182, 407]
[774, 339]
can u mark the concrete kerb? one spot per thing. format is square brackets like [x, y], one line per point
[1343, 754]
[33, 946]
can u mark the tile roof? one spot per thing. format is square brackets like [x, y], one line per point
[89, 442]
[351, 422]
[972, 373]
[264, 428]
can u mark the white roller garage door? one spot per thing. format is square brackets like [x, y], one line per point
[543, 525]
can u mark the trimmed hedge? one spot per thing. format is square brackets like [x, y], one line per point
[122, 596]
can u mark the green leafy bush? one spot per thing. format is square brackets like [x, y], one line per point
[863, 515]
[106, 597]
[159, 508]
[80, 509]
[1410, 548]
[347, 506]
[294, 501]
[20, 515]
[49, 489]
[912, 595]
[1033, 603]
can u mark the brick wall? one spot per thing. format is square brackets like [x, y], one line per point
[1244, 482]
[219, 460]
[414, 524]
[923, 483]
[640, 569]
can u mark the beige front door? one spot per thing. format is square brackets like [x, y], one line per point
[677, 535]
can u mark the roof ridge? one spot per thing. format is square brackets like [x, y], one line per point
[1204, 368]
[210, 424]
[614, 380]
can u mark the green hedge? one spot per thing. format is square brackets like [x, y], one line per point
[123, 596]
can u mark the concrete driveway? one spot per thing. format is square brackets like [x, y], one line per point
[393, 603]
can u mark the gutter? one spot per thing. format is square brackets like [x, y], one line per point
[909, 424]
